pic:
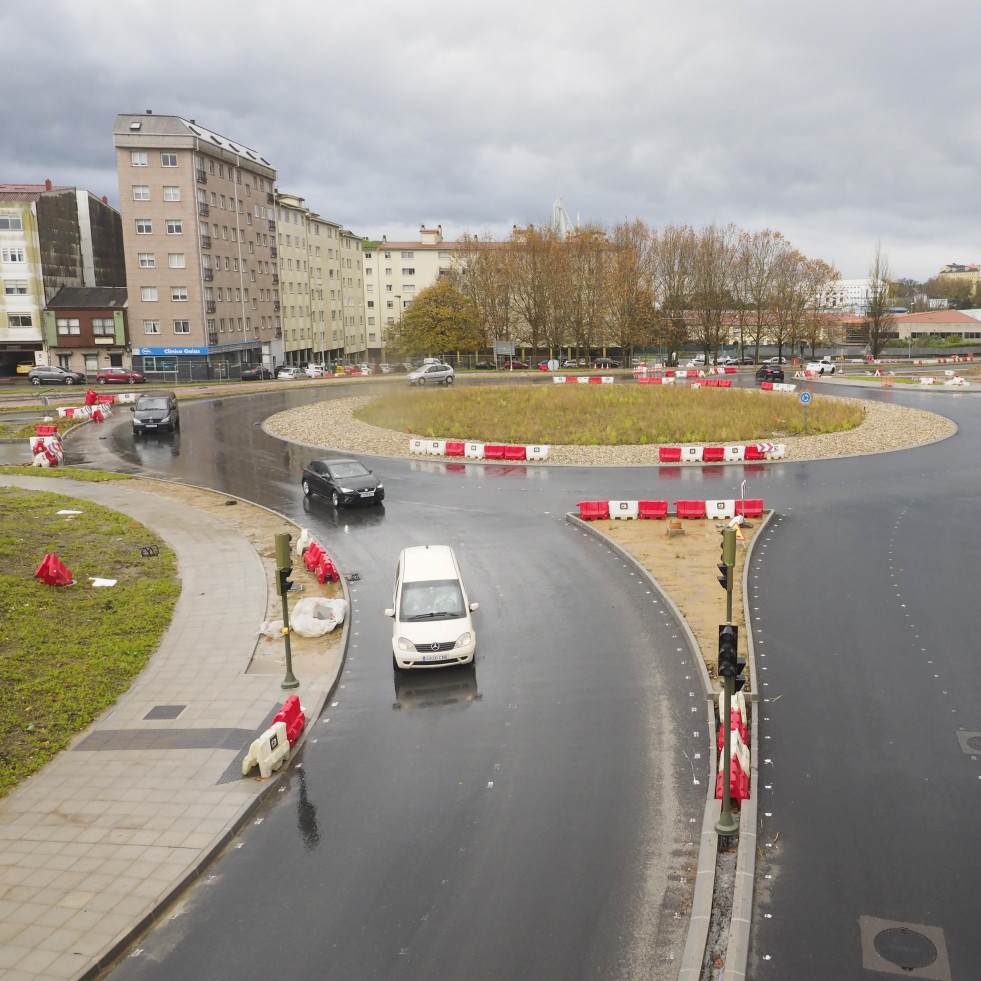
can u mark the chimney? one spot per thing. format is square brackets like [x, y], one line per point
[149, 112]
[105, 200]
[47, 184]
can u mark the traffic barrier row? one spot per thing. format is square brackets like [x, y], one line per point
[46, 448]
[618, 509]
[711, 383]
[777, 387]
[292, 715]
[477, 451]
[739, 766]
[738, 723]
[582, 379]
[721, 454]
[316, 559]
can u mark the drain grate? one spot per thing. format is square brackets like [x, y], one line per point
[908, 949]
[353, 577]
[970, 742]
[905, 948]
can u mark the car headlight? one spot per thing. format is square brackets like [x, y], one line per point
[406, 645]
[380, 487]
[346, 490]
[463, 640]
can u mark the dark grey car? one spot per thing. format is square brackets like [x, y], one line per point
[53, 375]
[343, 481]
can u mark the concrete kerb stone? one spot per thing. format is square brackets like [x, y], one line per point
[737, 952]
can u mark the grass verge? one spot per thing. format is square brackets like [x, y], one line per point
[66, 653]
[593, 415]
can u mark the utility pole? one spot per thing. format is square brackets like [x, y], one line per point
[284, 566]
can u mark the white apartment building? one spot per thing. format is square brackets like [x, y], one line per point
[199, 231]
[322, 288]
[395, 273]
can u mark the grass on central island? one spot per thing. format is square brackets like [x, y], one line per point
[611, 415]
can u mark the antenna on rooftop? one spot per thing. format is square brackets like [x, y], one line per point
[561, 222]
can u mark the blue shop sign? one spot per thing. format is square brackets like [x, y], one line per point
[152, 351]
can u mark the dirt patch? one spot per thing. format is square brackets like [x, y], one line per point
[685, 567]
[309, 655]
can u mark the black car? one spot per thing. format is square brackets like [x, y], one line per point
[769, 373]
[257, 372]
[485, 366]
[53, 375]
[343, 481]
[606, 363]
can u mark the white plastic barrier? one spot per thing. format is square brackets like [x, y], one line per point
[536, 452]
[784, 387]
[624, 509]
[720, 509]
[778, 452]
[606, 380]
[558, 379]
[691, 454]
[268, 751]
[474, 451]
[927, 380]
[436, 447]
[126, 397]
[417, 446]
[734, 453]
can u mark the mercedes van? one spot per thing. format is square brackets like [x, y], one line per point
[433, 627]
[156, 412]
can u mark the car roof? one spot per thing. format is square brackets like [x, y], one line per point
[423, 562]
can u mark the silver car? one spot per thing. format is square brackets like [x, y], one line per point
[432, 374]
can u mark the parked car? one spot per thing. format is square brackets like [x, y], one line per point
[514, 364]
[343, 481]
[290, 372]
[316, 371]
[53, 375]
[769, 373]
[256, 372]
[485, 366]
[606, 363]
[432, 374]
[775, 360]
[156, 412]
[570, 363]
[121, 376]
[823, 367]
[432, 625]
[746, 360]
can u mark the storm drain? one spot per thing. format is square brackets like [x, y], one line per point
[909, 949]
[970, 742]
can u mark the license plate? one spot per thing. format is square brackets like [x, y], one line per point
[149, 425]
[367, 493]
[435, 657]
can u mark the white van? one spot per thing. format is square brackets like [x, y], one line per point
[432, 628]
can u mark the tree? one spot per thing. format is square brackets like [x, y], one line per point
[441, 319]
[673, 262]
[878, 319]
[628, 286]
[712, 286]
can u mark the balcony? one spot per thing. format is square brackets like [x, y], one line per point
[200, 176]
[276, 306]
[212, 338]
[272, 225]
[203, 209]
[275, 279]
[208, 274]
[270, 199]
[205, 241]
[210, 306]
[274, 252]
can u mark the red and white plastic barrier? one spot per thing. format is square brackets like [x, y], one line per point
[478, 451]
[268, 751]
[619, 509]
[739, 766]
[777, 387]
[721, 454]
[316, 559]
[739, 723]
[46, 448]
[292, 715]
[582, 379]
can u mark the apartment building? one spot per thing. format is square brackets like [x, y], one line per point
[50, 238]
[199, 228]
[395, 273]
[321, 286]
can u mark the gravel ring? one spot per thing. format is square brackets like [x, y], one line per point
[886, 427]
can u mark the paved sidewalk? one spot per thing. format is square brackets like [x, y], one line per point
[129, 814]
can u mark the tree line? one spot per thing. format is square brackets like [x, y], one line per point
[629, 287]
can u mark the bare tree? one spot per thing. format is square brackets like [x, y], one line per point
[629, 285]
[713, 282]
[878, 319]
[673, 261]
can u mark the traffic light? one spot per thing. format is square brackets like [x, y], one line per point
[728, 643]
[284, 562]
[285, 583]
[728, 562]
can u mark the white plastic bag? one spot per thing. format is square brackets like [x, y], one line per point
[303, 542]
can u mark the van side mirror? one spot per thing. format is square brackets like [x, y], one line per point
[132, 408]
[474, 607]
[390, 613]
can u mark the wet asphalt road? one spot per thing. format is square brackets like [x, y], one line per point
[862, 606]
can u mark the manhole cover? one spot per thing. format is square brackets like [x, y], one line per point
[905, 948]
[353, 577]
[974, 743]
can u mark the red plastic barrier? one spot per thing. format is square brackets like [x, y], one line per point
[750, 508]
[91, 397]
[493, 451]
[45, 430]
[725, 383]
[766, 387]
[515, 452]
[313, 555]
[326, 571]
[594, 510]
[738, 725]
[652, 509]
[753, 453]
[713, 454]
[595, 381]
[455, 448]
[738, 781]
[730, 370]
[52, 571]
[106, 399]
[292, 714]
[669, 454]
[649, 380]
[690, 509]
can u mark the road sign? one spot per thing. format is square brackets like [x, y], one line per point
[805, 397]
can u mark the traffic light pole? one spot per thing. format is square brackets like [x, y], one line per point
[727, 824]
[284, 567]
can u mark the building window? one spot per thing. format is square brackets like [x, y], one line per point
[137, 158]
[406, 270]
[172, 193]
[144, 226]
[151, 326]
[178, 294]
[182, 326]
[176, 260]
[103, 327]
[175, 227]
[10, 223]
[19, 319]
[12, 255]
[148, 260]
[148, 294]
[15, 287]
[68, 326]
[141, 192]
[168, 159]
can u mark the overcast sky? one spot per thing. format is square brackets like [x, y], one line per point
[840, 124]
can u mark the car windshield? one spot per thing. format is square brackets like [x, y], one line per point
[152, 403]
[341, 470]
[438, 599]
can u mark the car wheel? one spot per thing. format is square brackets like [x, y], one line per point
[307, 489]
[449, 380]
[102, 381]
[335, 499]
[69, 381]
[132, 381]
[35, 381]
[422, 381]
